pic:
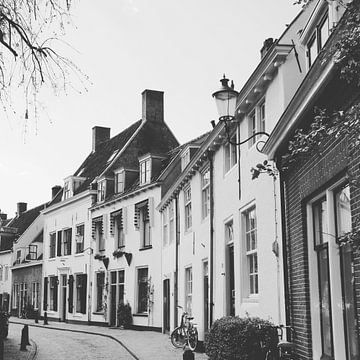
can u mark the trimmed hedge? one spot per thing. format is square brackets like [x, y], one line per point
[235, 338]
[124, 315]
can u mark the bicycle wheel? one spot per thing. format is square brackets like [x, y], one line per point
[192, 338]
[178, 337]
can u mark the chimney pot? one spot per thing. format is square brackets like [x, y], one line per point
[54, 190]
[268, 43]
[21, 207]
[99, 135]
[153, 105]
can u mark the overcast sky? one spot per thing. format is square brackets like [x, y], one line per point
[181, 47]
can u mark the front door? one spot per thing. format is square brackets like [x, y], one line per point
[166, 312]
[63, 297]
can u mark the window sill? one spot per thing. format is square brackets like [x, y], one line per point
[145, 248]
[79, 254]
[98, 313]
[141, 314]
[49, 260]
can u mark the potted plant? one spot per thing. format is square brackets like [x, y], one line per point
[124, 315]
[118, 253]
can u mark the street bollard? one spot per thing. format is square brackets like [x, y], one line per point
[188, 355]
[36, 317]
[24, 341]
[45, 318]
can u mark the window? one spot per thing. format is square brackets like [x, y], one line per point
[79, 238]
[100, 287]
[187, 200]
[16, 296]
[142, 222]
[171, 222]
[257, 122]
[117, 289]
[332, 275]
[18, 256]
[230, 154]
[145, 172]
[81, 280]
[142, 291]
[53, 283]
[120, 182]
[6, 273]
[261, 111]
[119, 231]
[32, 255]
[185, 159]
[318, 39]
[97, 233]
[52, 245]
[165, 226]
[188, 290]
[251, 252]
[230, 268]
[101, 190]
[67, 190]
[205, 193]
[67, 242]
[35, 286]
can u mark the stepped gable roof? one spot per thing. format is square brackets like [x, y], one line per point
[97, 161]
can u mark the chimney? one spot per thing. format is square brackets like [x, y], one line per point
[268, 43]
[54, 190]
[2, 216]
[153, 105]
[21, 207]
[99, 134]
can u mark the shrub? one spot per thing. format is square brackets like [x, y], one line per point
[124, 315]
[235, 338]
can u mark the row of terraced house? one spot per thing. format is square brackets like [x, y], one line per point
[149, 222]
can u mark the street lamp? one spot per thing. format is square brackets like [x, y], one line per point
[225, 99]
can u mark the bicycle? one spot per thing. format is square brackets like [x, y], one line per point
[186, 333]
[285, 349]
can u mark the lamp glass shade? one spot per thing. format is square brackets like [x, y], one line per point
[226, 103]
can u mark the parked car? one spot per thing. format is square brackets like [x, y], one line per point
[4, 324]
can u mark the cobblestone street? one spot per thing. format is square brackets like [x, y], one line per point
[93, 342]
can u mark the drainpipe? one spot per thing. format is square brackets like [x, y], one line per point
[283, 200]
[211, 255]
[177, 242]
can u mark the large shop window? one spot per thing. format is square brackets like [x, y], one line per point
[332, 276]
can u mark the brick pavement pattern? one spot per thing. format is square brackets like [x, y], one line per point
[143, 345]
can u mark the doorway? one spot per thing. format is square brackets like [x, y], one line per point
[63, 297]
[166, 304]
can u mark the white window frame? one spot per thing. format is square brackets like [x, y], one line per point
[119, 231]
[79, 238]
[101, 192]
[185, 159]
[145, 171]
[120, 181]
[188, 290]
[205, 193]
[187, 207]
[335, 280]
[230, 154]
[250, 277]
[138, 310]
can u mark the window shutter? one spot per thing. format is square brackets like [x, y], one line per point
[124, 219]
[151, 211]
[93, 225]
[59, 241]
[137, 217]
[71, 294]
[46, 282]
[83, 293]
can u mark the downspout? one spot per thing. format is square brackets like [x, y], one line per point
[283, 200]
[211, 255]
[177, 242]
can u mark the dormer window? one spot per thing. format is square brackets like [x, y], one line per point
[318, 39]
[120, 181]
[67, 190]
[71, 184]
[101, 190]
[105, 188]
[145, 171]
[185, 159]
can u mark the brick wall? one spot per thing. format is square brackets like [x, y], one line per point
[308, 177]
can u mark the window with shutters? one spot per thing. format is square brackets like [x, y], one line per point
[67, 241]
[52, 245]
[142, 223]
[79, 238]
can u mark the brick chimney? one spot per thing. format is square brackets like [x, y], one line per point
[99, 135]
[54, 190]
[268, 43]
[3, 216]
[21, 207]
[153, 105]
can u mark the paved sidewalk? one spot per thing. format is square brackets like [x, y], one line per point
[12, 345]
[143, 345]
